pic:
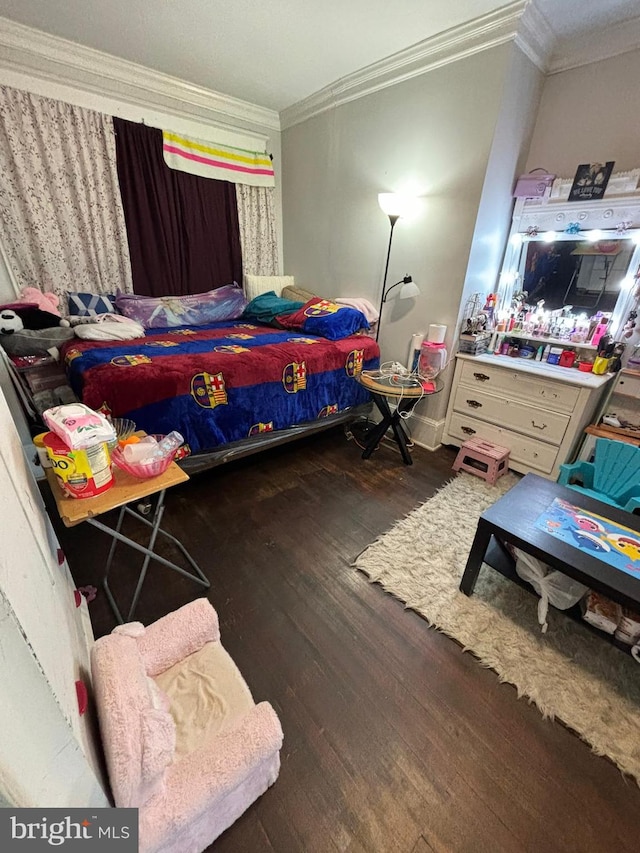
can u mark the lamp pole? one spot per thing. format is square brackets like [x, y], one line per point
[393, 218]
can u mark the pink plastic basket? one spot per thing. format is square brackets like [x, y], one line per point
[141, 470]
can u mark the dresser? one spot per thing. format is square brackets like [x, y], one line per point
[537, 410]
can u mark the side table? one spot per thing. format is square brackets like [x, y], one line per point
[386, 390]
[126, 490]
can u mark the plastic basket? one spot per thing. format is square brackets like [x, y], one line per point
[142, 470]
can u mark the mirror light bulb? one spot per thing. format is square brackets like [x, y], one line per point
[549, 236]
[594, 235]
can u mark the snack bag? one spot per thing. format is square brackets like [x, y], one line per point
[79, 426]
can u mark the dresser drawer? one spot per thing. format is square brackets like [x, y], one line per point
[524, 386]
[512, 414]
[527, 451]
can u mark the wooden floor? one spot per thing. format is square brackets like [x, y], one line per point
[394, 739]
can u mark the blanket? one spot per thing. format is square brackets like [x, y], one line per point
[223, 382]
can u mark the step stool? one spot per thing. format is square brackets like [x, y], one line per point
[482, 458]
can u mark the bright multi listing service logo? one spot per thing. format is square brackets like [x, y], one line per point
[75, 829]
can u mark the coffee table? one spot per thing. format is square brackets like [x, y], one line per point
[512, 519]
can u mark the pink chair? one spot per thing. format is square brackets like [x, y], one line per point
[184, 741]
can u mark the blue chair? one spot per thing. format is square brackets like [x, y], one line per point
[612, 477]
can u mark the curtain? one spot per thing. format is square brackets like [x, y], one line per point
[258, 235]
[61, 220]
[183, 229]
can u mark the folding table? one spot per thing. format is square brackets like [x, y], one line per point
[126, 490]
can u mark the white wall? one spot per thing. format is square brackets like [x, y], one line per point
[47, 755]
[521, 95]
[432, 135]
[589, 114]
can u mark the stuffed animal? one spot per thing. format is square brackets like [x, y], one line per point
[10, 322]
[45, 301]
[30, 331]
[35, 318]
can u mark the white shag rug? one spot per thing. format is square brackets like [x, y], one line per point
[569, 672]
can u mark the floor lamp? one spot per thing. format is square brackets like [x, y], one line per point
[395, 206]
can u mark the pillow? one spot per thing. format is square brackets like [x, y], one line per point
[325, 318]
[197, 309]
[254, 285]
[298, 294]
[266, 307]
[90, 304]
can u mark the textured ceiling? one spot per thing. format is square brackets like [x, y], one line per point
[276, 52]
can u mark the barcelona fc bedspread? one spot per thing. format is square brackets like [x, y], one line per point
[220, 383]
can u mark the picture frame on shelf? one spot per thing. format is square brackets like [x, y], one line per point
[590, 181]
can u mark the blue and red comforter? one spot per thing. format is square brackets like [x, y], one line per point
[223, 382]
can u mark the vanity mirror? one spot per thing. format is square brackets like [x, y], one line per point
[587, 275]
[583, 255]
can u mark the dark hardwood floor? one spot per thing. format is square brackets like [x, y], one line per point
[394, 739]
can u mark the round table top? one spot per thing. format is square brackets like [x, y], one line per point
[392, 385]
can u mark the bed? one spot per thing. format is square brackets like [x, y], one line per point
[229, 387]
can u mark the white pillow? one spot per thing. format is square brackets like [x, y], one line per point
[254, 285]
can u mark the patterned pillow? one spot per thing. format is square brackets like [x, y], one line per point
[325, 318]
[91, 304]
[197, 309]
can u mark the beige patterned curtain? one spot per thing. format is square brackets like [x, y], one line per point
[256, 215]
[61, 220]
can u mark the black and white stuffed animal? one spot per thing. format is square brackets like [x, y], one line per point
[10, 322]
[30, 331]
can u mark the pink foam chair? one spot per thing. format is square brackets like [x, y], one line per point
[183, 739]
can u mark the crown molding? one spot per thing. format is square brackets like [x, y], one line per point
[469, 38]
[535, 37]
[37, 54]
[609, 41]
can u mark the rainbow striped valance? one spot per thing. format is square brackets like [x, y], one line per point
[221, 162]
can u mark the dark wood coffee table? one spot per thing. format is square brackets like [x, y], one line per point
[512, 519]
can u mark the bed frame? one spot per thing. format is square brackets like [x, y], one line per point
[201, 462]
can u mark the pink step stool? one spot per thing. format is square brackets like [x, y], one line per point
[482, 458]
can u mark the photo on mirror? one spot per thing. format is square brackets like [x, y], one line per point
[590, 181]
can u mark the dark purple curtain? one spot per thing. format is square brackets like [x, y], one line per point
[182, 229]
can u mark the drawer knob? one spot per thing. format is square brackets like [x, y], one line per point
[481, 377]
[468, 430]
[474, 404]
[538, 426]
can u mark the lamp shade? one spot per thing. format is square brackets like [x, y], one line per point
[408, 290]
[397, 204]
